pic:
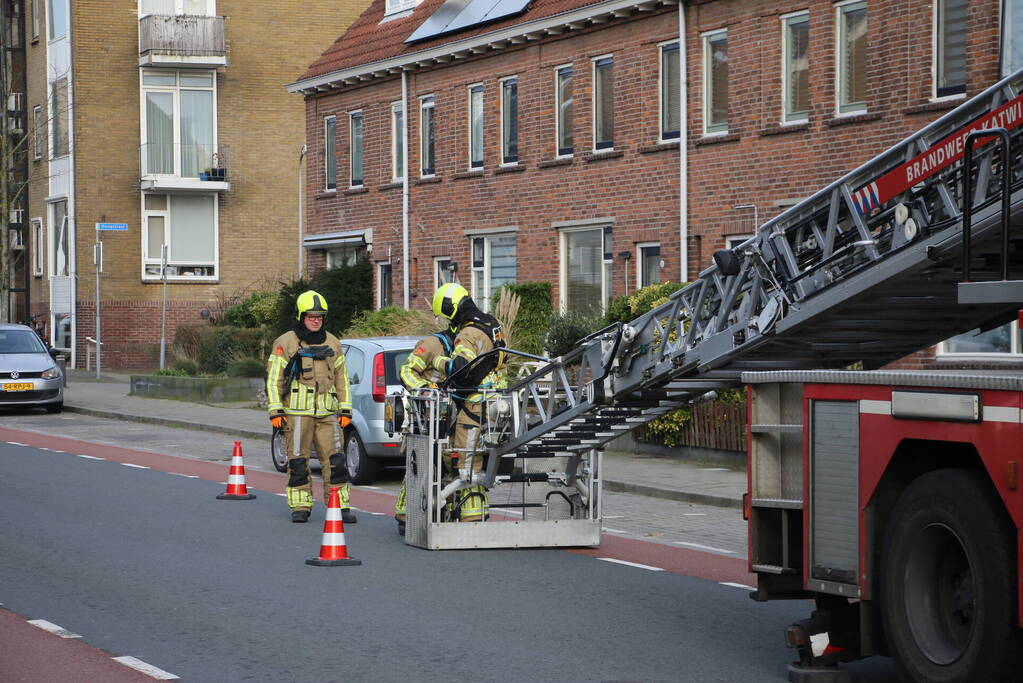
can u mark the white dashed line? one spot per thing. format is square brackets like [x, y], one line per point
[736, 585]
[631, 564]
[374, 488]
[147, 669]
[613, 531]
[53, 628]
[87, 457]
[43, 448]
[694, 514]
[15, 443]
[187, 476]
[56, 451]
[131, 464]
[700, 546]
[282, 495]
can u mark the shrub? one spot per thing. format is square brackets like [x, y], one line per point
[245, 367]
[390, 321]
[212, 348]
[347, 289]
[258, 309]
[187, 368]
[535, 310]
[171, 372]
[630, 306]
[564, 330]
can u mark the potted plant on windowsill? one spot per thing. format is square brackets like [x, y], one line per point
[216, 172]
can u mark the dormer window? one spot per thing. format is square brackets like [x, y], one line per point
[396, 6]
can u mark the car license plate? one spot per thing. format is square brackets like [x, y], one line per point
[18, 386]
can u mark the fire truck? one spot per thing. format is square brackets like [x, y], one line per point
[890, 499]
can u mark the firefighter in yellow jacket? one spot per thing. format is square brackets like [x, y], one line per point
[426, 366]
[308, 399]
[477, 333]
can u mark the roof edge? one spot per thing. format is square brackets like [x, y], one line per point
[517, 34]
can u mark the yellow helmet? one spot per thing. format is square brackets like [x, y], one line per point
[446, 299]
[310, 302]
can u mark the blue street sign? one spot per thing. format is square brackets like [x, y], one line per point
[122, 227]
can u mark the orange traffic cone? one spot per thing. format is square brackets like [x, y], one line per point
[333, 552]
[236, 478]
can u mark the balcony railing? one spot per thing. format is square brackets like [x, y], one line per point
[182, 35]
[192, 162]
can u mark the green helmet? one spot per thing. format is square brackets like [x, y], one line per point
[446, 299]
[310, 302]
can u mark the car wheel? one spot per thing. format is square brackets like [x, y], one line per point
[278, 453]
[361, 470]
[55, 407]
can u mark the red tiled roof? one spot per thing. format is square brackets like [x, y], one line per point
[368, 40]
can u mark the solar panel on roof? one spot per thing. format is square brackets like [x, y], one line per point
[458, 15]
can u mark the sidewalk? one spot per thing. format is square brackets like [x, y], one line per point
[658, 477]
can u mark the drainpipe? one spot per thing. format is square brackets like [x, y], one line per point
[301, 212]
[683, 148]
[404, 190]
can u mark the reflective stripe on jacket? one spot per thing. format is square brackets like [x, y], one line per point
[318, 388]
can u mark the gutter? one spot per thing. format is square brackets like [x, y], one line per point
[683, 148]
[404, 190]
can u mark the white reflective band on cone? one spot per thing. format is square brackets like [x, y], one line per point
[333, 539]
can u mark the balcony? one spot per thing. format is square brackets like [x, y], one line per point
[178, 40]
[168, 167]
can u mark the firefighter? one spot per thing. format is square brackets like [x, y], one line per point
[308, 399]
[426, 366]
[477, 333]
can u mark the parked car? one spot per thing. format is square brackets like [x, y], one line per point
[29, 375]
[373, 364]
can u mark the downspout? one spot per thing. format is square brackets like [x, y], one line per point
[404, 190]
[683, 148]
[301, 212]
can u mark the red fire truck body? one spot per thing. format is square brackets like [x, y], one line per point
[894, 500]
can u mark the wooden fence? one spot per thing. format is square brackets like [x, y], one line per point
[719, 425]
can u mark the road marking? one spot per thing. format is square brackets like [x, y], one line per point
[631, 564]
[56, 451]
[53, 628]
[694, 514]
[131, 464]
[148, 669]
[44, 448]
[614, 531]
[700, 546]
[282, 495]
[87, 457]
[713, 469]
[187, 476]
[15, 443]
[736, 585]
[375, 488]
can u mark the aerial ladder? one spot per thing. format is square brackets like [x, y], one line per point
[864, 272]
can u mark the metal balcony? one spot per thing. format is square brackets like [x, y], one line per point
[172, 167]
[178, 40]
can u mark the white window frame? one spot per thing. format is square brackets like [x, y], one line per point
[38, 247]
[38, 132]
[705, 40]
[50, 24]
[732, 241]
[51, 129]
[397, 142]
[557, 112]
[482, 298]
[54, 234]
[936, 52]
[357, 114]
[640, 246]
[853, 109]
[1006, 356]
[500, 91]
[1006, 36]
[396, 6]
[427, 102]
[175, 91]
[327, 152]
[437, 260]
[605, 276]
[35, 20]
[787, 21]
[167, 237]
[661, 94]
[330, 254]
[380, 283]
[470, 90]
[594, 103]
[179, 8]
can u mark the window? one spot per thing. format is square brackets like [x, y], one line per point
[510, 120]
[732, 241]
[950, 47]
[385, 297]
[38, 136]
[443, 271]
[169, 7]
[59, 106]
[476, 126]
[671, 121]
[355, 124]
[493, 264]
[998, 341]
[603, 103]
[61, 245]
[584, 274]
[355, 360]
[187, 224]
[427, 136]
[179, 130]
[563, 109]
[57, 18]
[346, 255]
[330, 151]
[852, 57]
[395, 6]
[648, 264]
[38, 246]
[35, 19]
[397, 142]
[795, 67]
[715, 82]
[1012, 36]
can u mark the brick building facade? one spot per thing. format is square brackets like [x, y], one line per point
[780, 99]
[130, 103]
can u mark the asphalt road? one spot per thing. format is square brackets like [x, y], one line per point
[148, 563]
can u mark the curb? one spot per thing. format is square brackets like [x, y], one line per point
[672, 494]
[167, 422]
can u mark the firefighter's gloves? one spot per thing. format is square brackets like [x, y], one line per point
[278, 420]
[344, 419]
